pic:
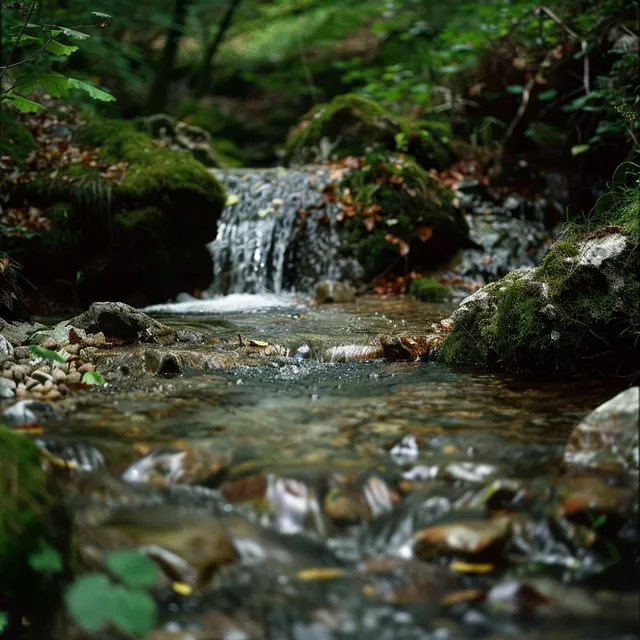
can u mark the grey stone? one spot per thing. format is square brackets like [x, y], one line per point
[26, 412]
[42, 376]
[6, 348]
[608, 436]
[119, 320]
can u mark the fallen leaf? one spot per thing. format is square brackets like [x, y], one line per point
[232, 199]
[465, 595]
[472, 567]
[424, 232]
[258, 343]
[320, 573]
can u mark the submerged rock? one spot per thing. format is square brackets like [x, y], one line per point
[608, 436]
[332, 291]
[120, 321]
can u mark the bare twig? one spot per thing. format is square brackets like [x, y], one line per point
[31, 57]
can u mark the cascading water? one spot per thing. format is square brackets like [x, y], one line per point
[278, 233]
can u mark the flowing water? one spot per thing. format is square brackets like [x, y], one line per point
[309, 493]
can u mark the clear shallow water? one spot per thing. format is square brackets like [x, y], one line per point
[307, 464]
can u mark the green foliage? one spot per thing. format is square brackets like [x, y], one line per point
[96, 602]
[37, 351]
[15, 138]
[429, 290]
[35, 40]
[92, 378]
[46, 560]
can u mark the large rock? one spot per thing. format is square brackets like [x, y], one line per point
[182, 136]
[349, 125]
[119, 320]
[579, 311]
[608, 436]
[131, 224]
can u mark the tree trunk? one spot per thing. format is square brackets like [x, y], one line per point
[157, 101]
[213, 47]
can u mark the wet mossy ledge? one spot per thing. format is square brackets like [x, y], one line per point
[578, 312]
[138, 233]
[350, 125]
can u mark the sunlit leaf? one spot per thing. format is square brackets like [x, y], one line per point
[579, 149]
[472, 567]
[58, 49]
[37, 351]
[232, 199]
[258, 343]
[20, 103]
[320, 573]
[182, 588]
[92, 378]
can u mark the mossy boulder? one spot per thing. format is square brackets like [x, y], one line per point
[403, 215]
[16, 140]
[31, 519]
[137, 233]
[12, 306]
[429, 290]
[351, 125]
[578, 312]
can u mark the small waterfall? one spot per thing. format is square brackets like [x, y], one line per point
[278, 233]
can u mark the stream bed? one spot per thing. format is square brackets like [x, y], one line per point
[315, 494]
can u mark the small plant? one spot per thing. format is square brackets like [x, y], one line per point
[96, 600]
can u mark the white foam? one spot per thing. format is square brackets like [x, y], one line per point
[233, 303]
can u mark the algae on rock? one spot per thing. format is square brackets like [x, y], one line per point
[578, 312]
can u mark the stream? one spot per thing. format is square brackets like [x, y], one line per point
[314, 493]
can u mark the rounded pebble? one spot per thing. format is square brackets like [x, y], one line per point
[41, 376]
[86, 368]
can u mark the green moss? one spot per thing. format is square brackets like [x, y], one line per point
[429, 290]
[352, 124]
[407, 200]
[15, 138]
[31, 515]
[154, 173]
[567, 316]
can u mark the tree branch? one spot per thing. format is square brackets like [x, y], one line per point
[15, 44]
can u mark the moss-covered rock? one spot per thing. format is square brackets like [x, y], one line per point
[350, 125]
[139, 236]
[31, 518]
[579, 311]
[402, 212]
[429, 290]
[16, 140]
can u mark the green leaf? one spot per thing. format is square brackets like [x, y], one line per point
[58, 49]
[37, 351]
[94, 92]
[55, 84]
[72, 33]
[4, 620]
[134, 611]
[90, 601]
[133, 568]
[580, 148]
[549, 94]
[92, 378]
[20, 103]
[46, 559]
[100, 15]
[516, 89]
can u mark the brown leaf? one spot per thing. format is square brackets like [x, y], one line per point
[424, 232]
